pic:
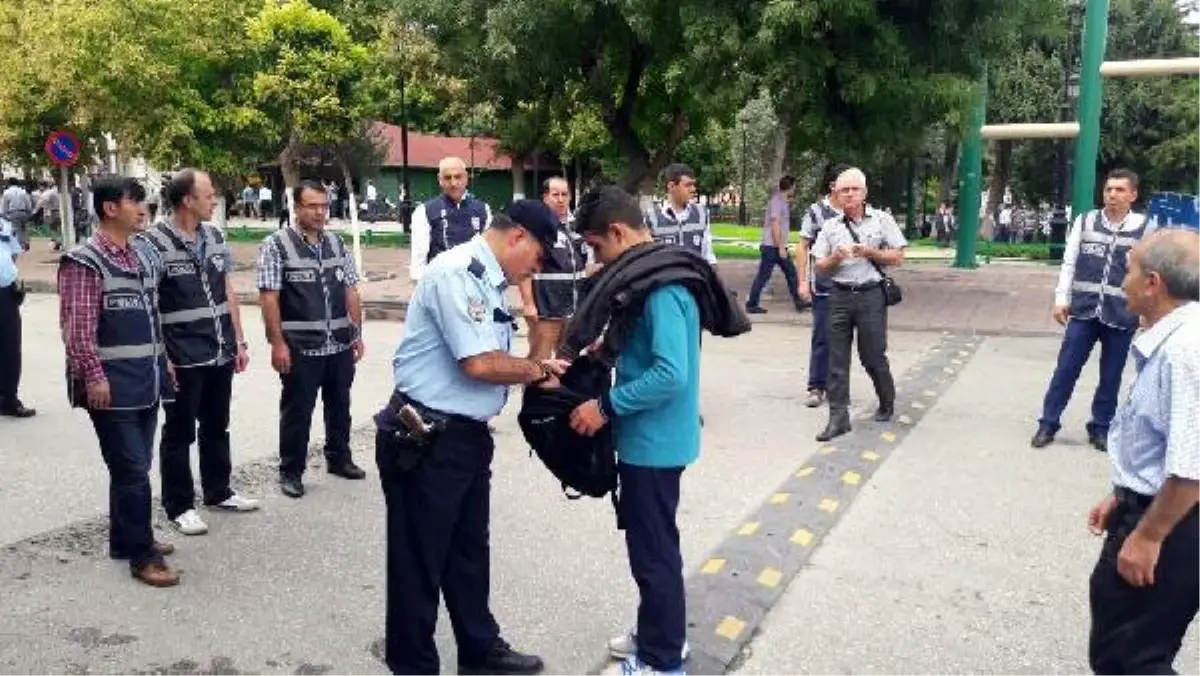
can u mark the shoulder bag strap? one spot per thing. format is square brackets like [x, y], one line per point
[854, 236]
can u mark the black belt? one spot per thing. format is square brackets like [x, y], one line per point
[856, 288]
[432, 415]
[1131, 498]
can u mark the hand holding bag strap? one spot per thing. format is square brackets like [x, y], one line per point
[892, 294]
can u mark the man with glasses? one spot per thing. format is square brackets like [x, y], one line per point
[307, 285]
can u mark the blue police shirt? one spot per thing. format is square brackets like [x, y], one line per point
[9, 248]
[458, 310]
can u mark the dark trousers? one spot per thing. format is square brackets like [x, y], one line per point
[649, 501]
[865, 311]
[127, 445]
[1077, 343]
[10, 346]
[1138, 630]
[770, 258]
[437, 541]
[818, 356]
[203, 398]
[332, 375]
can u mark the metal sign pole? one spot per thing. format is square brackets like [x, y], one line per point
[64, 208]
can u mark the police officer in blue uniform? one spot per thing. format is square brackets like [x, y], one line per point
[679, 220]
[1090, 303]
[448, 220]
[553, 295]
[434, 449]
[11, 297]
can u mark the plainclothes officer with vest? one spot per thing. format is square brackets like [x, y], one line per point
[117, 368]
[852, 250]
[552, 296]
[434, 448]
[816, 288]
[447, 220]
[11, 297]
[190, 262]
[678, 220]
[1145, 585]
[307, 288]
[1090, 303]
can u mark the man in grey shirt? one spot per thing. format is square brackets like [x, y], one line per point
[16, 207]
[852, 249]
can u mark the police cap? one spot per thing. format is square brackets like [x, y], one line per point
[535, 217]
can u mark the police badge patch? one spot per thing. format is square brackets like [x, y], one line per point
[340, 274]
[476, 309]
[475, 222]
[218, 262]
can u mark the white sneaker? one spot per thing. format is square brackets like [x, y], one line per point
[190, 523]
[237, 503]
[632, 665]
[625, 646]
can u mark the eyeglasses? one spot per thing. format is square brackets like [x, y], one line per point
[314, 205]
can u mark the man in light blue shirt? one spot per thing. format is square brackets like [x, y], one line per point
[11, 296]
[1145, 585]
[434, 449]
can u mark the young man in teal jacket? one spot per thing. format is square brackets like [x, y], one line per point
[655, 409]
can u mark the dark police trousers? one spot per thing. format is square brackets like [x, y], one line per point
[1139, 630]
[203, 397]
[332, 375]
[10, 346]
[818, 358]
[1081, 336]
[127, 445]
[649, 501]
[437, 541]
[865, 311]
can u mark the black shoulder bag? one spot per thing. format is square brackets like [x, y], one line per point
[892, 295]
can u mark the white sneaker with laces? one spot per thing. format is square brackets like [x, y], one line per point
[632, 665]
[237, 503]
[190, 523]
[625, 646]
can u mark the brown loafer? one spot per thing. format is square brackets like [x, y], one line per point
[164, 548]
[156, 575]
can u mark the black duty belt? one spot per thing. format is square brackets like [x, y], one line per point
[432, 415]
[856, 288]
[1131, 498]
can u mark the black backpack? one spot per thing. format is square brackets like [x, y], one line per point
[584, 465]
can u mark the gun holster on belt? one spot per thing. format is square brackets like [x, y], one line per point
[406, 431]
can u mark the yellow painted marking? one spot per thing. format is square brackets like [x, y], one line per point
[730, 628]
[802, 537]
[805, 471]
[904, 420]
[889, 437]
[749, 528]
[770, 577]
[852, 478]
[712, 566]
[871, 456]
[929, 393]
[780, 498]
[826, 450]
[917, 404]
[828, 505]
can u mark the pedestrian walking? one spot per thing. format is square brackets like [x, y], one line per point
[453, 368]
[189, 263]
[307, 284]
[16, 207]
[773, 249]
[1146, 582]
[816, 288]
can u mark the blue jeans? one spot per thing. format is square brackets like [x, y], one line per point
[1081, 336]
[127, 444]
[818, 356]
[766, 265]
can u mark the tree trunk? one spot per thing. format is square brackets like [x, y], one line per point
[949, 171]
[779, 154]
[356, 239]
[518, 176]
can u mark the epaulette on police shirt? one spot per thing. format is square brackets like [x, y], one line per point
[476, 268]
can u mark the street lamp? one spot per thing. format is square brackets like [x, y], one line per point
[1059, 222]
[405, 193]
[742, 195]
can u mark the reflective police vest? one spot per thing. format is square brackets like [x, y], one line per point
[196, 323]
[556, 287]
[1100, 269]
[452, 224]
[819, 212]
[312, 301]
[127, 339]
[688, 232]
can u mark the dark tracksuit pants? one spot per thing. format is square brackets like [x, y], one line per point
[127, 445]
[818, 357]
[770, 258]
[1138, 630]
[437, 541]
[203, 397]
[649, 501]
[332, 375]
[866, 311]
[10, 346]
[1081, 336]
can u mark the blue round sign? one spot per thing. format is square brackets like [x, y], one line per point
[63, 148]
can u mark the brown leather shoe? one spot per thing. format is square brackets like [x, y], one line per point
[157, 575]
[164, 548]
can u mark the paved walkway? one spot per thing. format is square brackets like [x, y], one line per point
[1002, 298]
